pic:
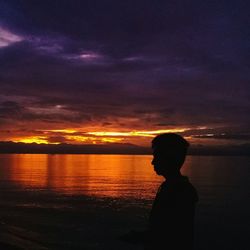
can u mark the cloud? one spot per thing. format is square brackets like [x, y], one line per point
[8, 38]
[127, 65]
[47, 44]
[89, 56]
[10, 109]
[56, 139]
[224, 136]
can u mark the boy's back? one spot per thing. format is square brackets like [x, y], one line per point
[171, 220]
[172, 215]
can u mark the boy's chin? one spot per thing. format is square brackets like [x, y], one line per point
[158, 172]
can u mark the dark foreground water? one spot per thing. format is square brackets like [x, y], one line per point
[88, 201]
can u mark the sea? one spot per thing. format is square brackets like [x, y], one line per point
[90, 201]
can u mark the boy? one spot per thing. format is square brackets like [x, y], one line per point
[172, 216]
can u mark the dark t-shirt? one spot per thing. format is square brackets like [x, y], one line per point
[172, 216]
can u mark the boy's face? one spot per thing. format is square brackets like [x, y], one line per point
[159, 162]
[165, 162]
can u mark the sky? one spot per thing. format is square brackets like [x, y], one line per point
[108, 71]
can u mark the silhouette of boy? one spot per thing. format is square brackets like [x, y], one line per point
[171, 220]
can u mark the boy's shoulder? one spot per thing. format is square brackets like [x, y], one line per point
[180, 187]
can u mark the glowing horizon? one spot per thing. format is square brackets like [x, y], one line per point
[76, 136]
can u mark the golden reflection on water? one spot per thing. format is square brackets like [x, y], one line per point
[100, 175]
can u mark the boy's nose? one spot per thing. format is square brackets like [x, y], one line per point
[153, 162]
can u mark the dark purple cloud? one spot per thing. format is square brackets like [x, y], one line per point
[140, 64]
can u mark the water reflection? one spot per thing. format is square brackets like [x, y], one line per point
[223, 184]
[102, 175]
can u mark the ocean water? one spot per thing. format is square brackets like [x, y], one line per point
[89, 201]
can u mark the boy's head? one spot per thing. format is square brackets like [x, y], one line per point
[169, 151]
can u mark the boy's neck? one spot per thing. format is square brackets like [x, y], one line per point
[172, 176]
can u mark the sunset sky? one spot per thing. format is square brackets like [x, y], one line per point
[122, 71]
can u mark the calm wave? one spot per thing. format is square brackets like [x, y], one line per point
[47, 192]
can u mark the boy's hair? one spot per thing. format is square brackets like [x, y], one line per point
[170, 141]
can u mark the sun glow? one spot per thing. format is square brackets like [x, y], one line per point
[137, 133]
[33, 139]
[78, 136]
[93, 140]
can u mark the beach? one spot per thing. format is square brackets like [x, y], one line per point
[42, 220]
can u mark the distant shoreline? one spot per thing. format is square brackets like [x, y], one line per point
[111, 153]
[116, 149]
